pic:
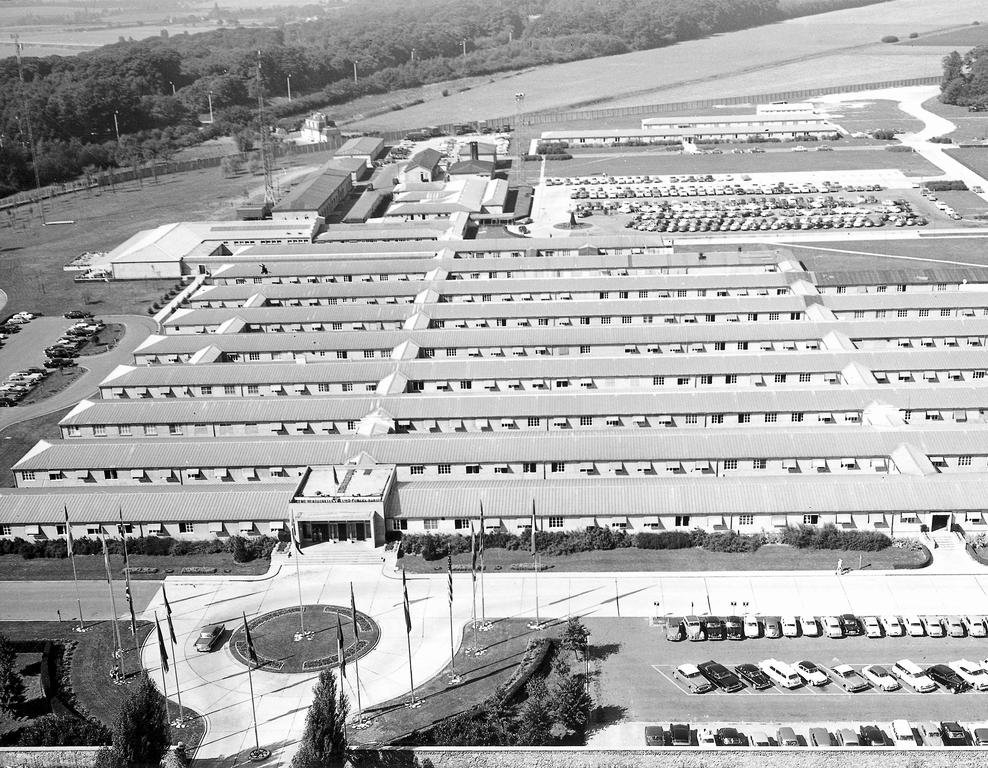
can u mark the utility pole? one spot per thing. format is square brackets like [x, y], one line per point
[464, 47]
[354, 71]
[263, 136]
[116, 126]
[289, 79]
[18, 48]
[210, 97]
[519, 100]
[173, 87]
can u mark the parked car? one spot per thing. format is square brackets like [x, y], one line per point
[915, 626]
[893, 626]
[934, 626]
[655, 736]
[833, 627]
[820, 737]
[786, 737]
[694, 628]
[730, 737]
[720, 676]
[880, 677]
[734, 626]
[753, 675]
[976, 626]
[913, 676]
[59, 362]
[929, 734]
[790, 626]
[972, 673]
[902, 732]
[780, 673]
[690, 676]
[77, 314]
[208, 637]
[808, 626]
[759, 739]
[847, 738]
[944, 676]
[679, 734]
[773, 626]
[873, 736]
[752, 627]
[953, 735]
[811, 673]
[873, 627]
[674, 629]
[955, 626]
[849, 678]
[980, 737]
[713, 628]
[850, 624]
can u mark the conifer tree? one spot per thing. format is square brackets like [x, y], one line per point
[324, 741]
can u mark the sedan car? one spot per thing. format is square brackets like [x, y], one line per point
[811, 673]
[913, 676]
[809, 626]
[674, 629]
[973, 673]
[752, 627]
[893, 626]
[734, 627]
[934, 626]
[655, 736]
[873, 627]
[694, 628]
[679, 734]
[833, 627]
[691, 677]
[820, 737]
[930, 734]
[77, 314]
[753, 675]
[980, 737]
[915, 626]
[714, 628]
[848, 738]
[850, 624]
[946, 677]
[208, 637]
[773, 626]
[955, 626]
[790, 626]
[849, 678]
[880, 677]
[720, 676]
[976, 626]
[953, 735]
[873, 736]
[730, 737]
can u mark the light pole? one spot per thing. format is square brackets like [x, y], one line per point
[289, 79]
[210, 97]
[519, 100]
[354, 71]
[464, 47]
[116, 126]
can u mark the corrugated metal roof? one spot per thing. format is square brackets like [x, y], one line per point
[605, 497]
[909, 300]
[468, 448]
[904, 276]
[312, 195]
[551, 403]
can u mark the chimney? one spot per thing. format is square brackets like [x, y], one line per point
[474, 151]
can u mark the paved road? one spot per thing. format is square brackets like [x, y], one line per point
[41, 600]
[97, 366]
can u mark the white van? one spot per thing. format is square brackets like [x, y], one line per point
[781, 673]
[902, 732]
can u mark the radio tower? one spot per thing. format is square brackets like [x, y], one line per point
[262, 132]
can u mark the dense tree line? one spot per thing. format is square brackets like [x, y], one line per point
[965, 78]
[153, 91]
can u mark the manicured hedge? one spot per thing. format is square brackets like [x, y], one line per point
[244, 549]
[829, 537]
[953, 185]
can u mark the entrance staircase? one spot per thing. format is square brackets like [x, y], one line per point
[949, 552]
[339, 553]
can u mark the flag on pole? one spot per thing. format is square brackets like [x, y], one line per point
[161, 645]
[123, 534]
[533, 528]
[106, 562]
[130, 599]
[473, 554]
[251, 653]
[294, 534]
[353, 612]
[168, 616]
[449, 571]
[408, 614]
[482, 528]
[339, 647]
[69, 544]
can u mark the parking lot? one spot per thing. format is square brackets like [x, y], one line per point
[637, 665]
[26, 349]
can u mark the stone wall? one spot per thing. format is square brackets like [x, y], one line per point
[47, 757]
[563, 757]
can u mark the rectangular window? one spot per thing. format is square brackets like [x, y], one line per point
[555, 521]
[174, 429]
[253, 356]
[746, 519]
[461, 523]
[658, 381]
[682, 521]
[229, 389]
[186, 528]
[717, 418]
[99, 430]
[6, 530]
[719, 346]
[528, 468]
[150, 430]
[445, 469]
[27, 474]
[253, 389]
[605, 321]
[586, 421]
[682, 381]
[771, 418]
[707, 379]
[730, 464]
[584, 321]
[780, 378]
[744, 418]
[368, 353]
[533, 421]
[557, 466]
[431, 525]
[963, 461]
[205, 391]
[811, 519]
[692, 418]
[797, 417]
[348, 387]
[124, 430]
[417, 469]
[804, 378]
[585, 349]
[731, 378]
[759, 464]
[473, 469]
[466, 384]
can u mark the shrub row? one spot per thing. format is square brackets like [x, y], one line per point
[58, 731]
[244, 549]
[951, 185]
[433, 546]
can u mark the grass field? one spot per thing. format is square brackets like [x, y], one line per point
[868, 114]
[971, 126]
[95, 694]
[70, 40]
[16, 568]
[963, 37]
[767, 558]
[973, 157]
[663, 163]
[923, 253]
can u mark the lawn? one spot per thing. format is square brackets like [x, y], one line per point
[767, 558]
[971, 126]
[103, 341]
[929, 251]
[16, 439]
[868, 114]
[17, 568]
[635, 162]
[974, 158]
[59, 379]
[960, 38]
[95, 694]
[506, 643]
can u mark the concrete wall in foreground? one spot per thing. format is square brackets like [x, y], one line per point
[48, 757]
[558, 757]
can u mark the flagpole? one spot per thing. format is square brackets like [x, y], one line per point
[253, 712]
[302, 634]
[412, 701]
[118, 650]
[164, 676]
[359, 723]
[130, 595]
[454, 679]
[537, 626]
[476, 650]
[180, 720]
[484, 625]
[69, 544]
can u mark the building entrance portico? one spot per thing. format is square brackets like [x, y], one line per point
[337, 530]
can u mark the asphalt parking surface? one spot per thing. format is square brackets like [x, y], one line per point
[637, 665]
[25, 349]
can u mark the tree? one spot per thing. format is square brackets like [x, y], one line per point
[572, 702]
[575, 636]
[11, 684]
[535, 726]
[324, 741]
[141, 735]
